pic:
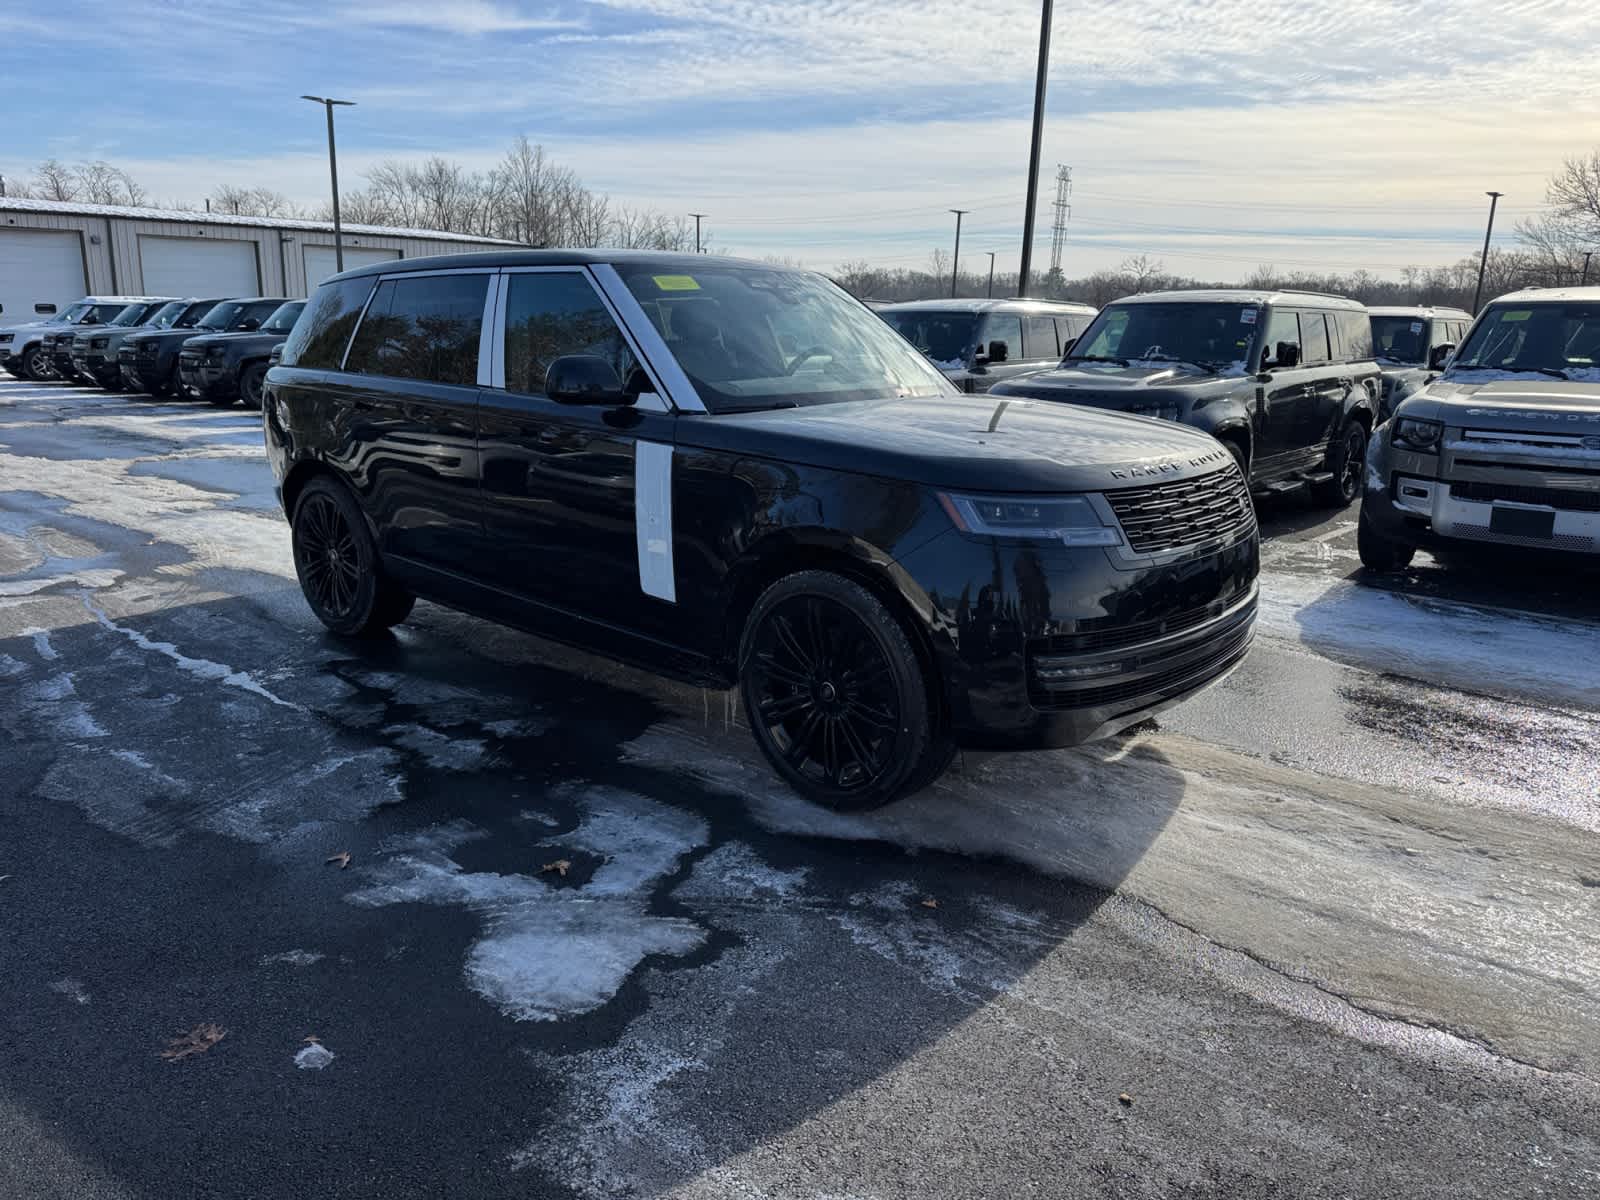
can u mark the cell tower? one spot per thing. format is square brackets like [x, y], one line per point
[1063, 214]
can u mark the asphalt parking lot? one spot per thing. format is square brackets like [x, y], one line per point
[1329, 930]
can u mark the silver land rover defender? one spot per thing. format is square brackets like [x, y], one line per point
[1504, 447]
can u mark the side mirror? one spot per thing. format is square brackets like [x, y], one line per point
[1438, 354]
[1288, 355]
[249, 325]
[584, 379]
[999, 351]
[275, 355]
[89, 319]
[1066, 346]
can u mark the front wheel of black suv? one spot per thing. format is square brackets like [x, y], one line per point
[1379, 553]
[250, 385]
[337, 563]
[836, 695]
[1347, 459]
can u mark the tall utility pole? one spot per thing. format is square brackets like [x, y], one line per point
[1584, 283]
[1483, 263]
[697, 219]
[333, 174]
[1033, 153]
[1058, 239]
[955, 262]
[991, 273]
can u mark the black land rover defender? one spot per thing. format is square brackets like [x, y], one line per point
[151, 360]
[227, 367]
[1285, 380]
[736, 473]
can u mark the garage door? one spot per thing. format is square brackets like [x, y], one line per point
[198, 267]
[320, 261]
[39, 267]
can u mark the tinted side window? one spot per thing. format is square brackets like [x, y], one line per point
[323, 330]
[1281, 328]
[549, 315]
[1001, 327]
[1039, 338]
[426, 327]
[1355, 335]
[1313, 339]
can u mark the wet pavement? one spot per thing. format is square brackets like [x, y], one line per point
[1328, 930]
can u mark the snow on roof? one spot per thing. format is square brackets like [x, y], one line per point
[1242, 296]
[1549, 295]
[987, 305]
[73, 208]
[1417, 310]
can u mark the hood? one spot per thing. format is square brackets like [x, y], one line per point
[1523, 403]
[1108, 385]
[167, 335]
[237, 341]
[972, 443]
[30, 326]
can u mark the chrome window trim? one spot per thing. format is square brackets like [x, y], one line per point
[655, 356]
[491, 304]
[439, 271]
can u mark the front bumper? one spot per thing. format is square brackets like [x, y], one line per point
[1047, 647]
[96, 365]
[205, 379]
[1485, 494]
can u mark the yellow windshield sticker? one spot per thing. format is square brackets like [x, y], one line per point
[676, 283]
[1519, 314]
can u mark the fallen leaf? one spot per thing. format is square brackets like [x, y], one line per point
[197, 1041]
[930, 902]
[562, 865]
[1125, 1100]
[342, 858]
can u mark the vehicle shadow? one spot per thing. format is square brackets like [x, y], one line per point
[715, 963]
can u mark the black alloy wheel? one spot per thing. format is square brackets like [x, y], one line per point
[836, 695]
[338, 567]
[250, 384]
[1347, 461]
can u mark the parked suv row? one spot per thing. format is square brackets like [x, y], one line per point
[22, 348]
[979, 343]
[160, 362]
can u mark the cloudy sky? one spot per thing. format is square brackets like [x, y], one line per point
[1215, 135]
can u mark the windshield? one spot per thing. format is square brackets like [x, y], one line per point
[949, 338]
[132, 315]
[1555, 338]
[167, 314]
[1400, 339]
[751, 338]
[282, 321]
[72, 316]
[1210, 334]
[195, 314]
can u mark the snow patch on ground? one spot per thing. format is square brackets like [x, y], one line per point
[41, 644]
[292, 958]
[441, 751]
[733, 871]
[94, 578]
[313, 1057]
[1437, 641]
[72, 989]
[547, 951]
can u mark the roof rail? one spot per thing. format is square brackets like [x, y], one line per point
[1309, 292]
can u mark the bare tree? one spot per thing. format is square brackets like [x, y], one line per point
[1145, 274]
[54, 180]
[1574, 194]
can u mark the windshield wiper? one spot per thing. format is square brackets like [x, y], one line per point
[1550, 371]
[747, 408]
[1405, 362]
[1097, 358]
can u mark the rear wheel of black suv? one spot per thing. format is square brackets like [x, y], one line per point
[1347, 459]
[337, 563]
[836, 695]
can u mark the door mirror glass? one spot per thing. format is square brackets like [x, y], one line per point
[1437, 356]
[583, 379]
[998, 352]
[249, 325]
[1286, 355]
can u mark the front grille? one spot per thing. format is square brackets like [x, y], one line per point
[1183, 512]
[1562, 498]
[1559, 541]
[1227, 646]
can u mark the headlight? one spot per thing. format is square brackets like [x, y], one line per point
[1412, 434]
[1071, 520]
[1167, 412]
[5, 338]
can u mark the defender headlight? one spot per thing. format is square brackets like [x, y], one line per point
[1166, 412]
[1070, 520]
[1422, 436]
[5, 338]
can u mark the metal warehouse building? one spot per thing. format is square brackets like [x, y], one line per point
[53, 252]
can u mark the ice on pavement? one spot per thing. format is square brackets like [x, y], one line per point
[1455, 645]
[313, 1057]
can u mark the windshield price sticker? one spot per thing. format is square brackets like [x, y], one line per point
[1248, 316]
[1416, 327]
[1521, 314]
[676, 283]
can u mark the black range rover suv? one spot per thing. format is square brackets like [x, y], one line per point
[1285, 380]
[737, 474]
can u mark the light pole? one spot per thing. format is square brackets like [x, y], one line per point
[333, 173]
[1585, 282]
[955, 263]
[697, 218]
[991, 274]
[1033, 153]
[1483, 263]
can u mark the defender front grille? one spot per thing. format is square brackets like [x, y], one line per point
[1183, 512]
[1486, 493]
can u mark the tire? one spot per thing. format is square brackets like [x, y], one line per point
[251, 383]
[1379, 553]
[222, 401]
[836, 695]
[34, 364]
[1347, 459]
[163, 387]
[336, 561]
